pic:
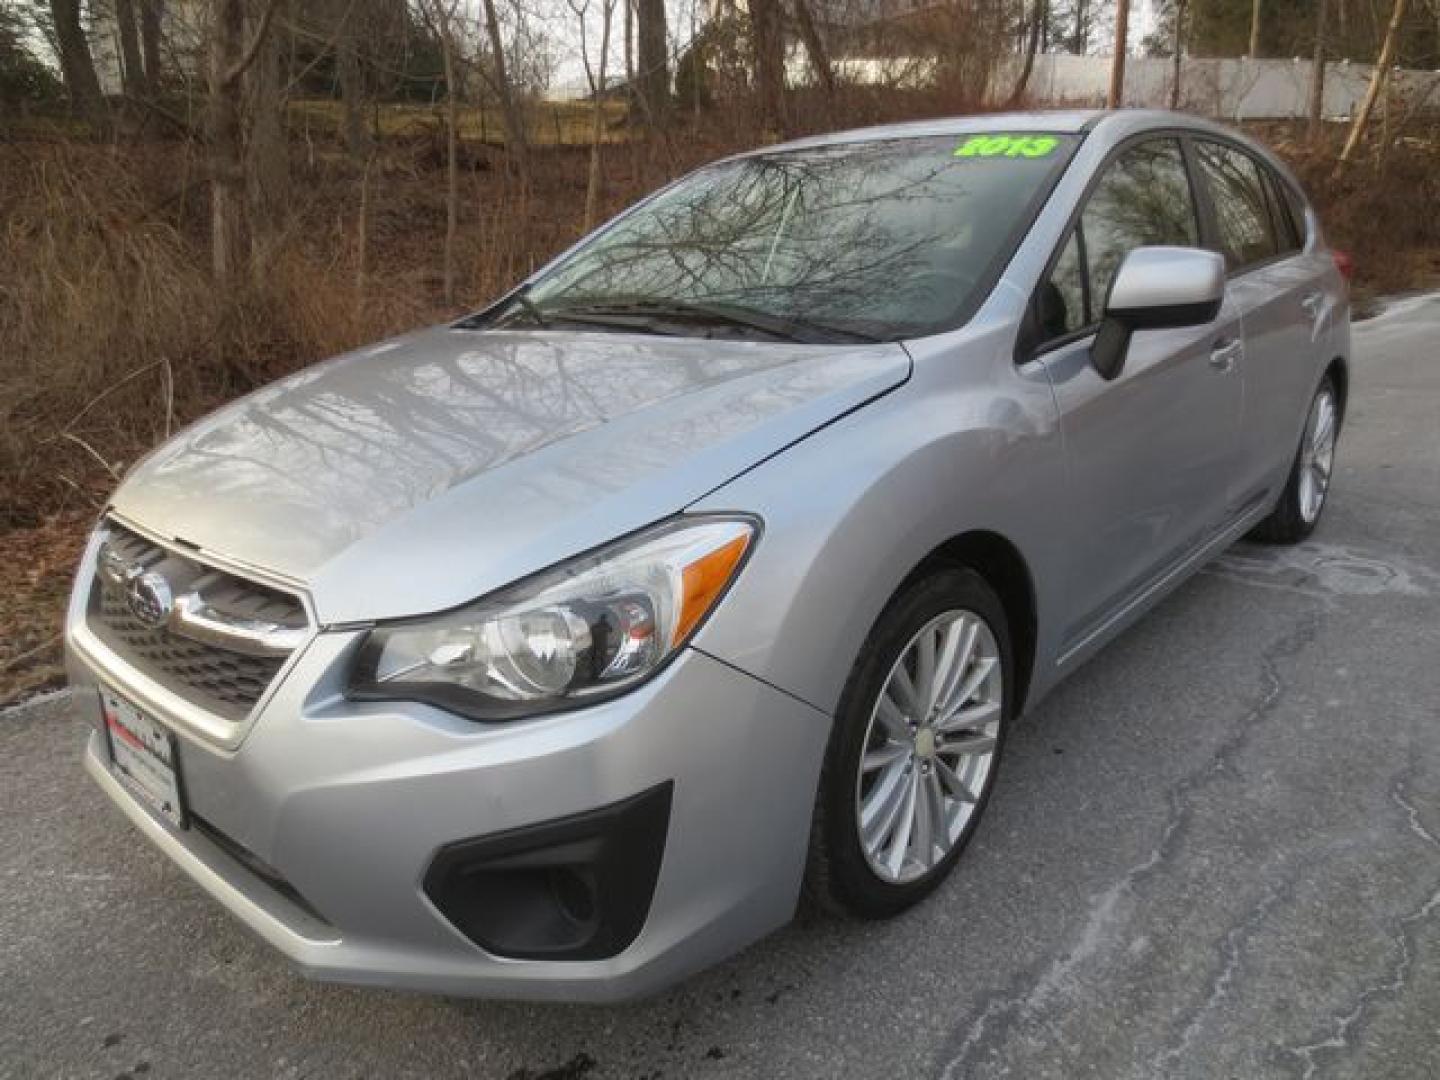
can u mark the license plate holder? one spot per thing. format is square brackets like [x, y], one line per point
[143, 756]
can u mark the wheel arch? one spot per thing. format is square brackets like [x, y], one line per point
[999, 562]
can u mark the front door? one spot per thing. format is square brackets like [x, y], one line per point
[1152, 455]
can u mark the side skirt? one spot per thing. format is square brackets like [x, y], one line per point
[1148, 596]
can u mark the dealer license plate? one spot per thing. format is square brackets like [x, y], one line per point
[142, 755]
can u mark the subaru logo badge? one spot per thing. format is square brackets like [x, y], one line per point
[149, 598]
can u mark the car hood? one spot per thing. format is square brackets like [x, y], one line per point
[423, 472]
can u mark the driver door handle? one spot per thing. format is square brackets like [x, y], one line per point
[1224, 353]
[1311, 303]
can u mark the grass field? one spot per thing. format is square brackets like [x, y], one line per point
[548, 123]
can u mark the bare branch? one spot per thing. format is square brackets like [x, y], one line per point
[252, 50]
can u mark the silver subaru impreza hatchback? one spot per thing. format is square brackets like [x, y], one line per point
[554, 653]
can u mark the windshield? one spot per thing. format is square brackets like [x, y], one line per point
[875, 240]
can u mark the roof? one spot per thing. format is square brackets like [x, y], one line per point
[1057, 120]
[1061, 120]
[1112, 125]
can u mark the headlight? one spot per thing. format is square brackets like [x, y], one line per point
[586, 629]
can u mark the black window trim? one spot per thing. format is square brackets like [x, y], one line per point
[1281, 211]
[1299, 205]
[1027, 350]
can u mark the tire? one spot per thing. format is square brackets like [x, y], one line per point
[843, 875]
[1298, 511]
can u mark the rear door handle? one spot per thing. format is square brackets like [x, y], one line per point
[1311, 303]
[1224, 353]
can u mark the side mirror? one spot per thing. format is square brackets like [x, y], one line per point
[1157, 288]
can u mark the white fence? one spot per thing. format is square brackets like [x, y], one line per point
[1237, 89]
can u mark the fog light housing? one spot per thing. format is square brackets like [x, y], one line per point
[577, 888]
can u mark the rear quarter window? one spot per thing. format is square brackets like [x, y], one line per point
[1294, 204]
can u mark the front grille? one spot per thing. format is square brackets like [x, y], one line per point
[225, 683]
[219, 680]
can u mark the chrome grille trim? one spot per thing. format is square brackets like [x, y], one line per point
[200, 619]
[222, 646]
[216, 608]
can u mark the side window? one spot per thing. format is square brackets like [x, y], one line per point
[1282, 211]
[1142, 199]
[1238, 194]
[1063, 309]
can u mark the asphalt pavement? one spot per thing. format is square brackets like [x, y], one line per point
[1215, 852]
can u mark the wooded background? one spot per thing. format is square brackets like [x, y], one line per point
[197, 197]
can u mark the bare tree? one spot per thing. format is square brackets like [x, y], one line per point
[230, 57]
[132, 71]
[652, 77]
[362, 236]
[767, 45]
[597, 82]
[1317, 72]
[814, 46]
[1080, 40]
[1039, 14]
[1378, 79]
[440, 16]
[1117, 67]
[629, 45]
[266, 149]
[351, 78]
[1178, 59]
[151, 12]
[76, 64]
[515, 143]
[227, 207]
[1254, 50]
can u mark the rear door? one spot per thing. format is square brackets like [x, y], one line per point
[1277, 288]
[1152, 454]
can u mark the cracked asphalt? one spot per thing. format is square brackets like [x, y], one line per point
[1215, 852]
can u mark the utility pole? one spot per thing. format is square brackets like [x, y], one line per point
[1255, 29]
[1117, 68]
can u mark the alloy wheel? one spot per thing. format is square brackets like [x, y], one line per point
[1317, 455]
[930, 746]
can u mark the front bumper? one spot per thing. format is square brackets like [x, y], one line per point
[351, 803]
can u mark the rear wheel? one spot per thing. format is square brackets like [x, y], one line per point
[1301, 503]
[913, 754]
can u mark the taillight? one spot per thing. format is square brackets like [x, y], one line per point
[1344, 263]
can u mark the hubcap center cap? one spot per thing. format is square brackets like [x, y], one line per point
[925, 743]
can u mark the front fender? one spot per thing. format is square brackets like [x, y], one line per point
[970, 443]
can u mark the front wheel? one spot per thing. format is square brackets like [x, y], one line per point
[1298, 511]
[913, 754]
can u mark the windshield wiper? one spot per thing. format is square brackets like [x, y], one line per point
[520, 299]
[779, 326]
[518, 309]
[649, 315]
